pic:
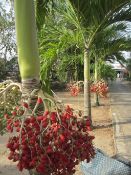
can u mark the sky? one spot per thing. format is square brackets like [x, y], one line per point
[6, 4]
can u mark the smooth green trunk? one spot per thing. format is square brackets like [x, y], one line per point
[96, 97]
[28, 57]
[87, 97]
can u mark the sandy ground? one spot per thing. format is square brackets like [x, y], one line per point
[103, 132]
[102, 119]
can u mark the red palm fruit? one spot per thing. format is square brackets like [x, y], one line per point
[55, 129]
[46, 113]
[9, 121]
[88, 122]
[20, 166]
[32, 119]
[16, 123]
[62, 138]
[89, 128]
[17, 108]
[49, 149]
[53, 117]
[43, 158]
[9, 128]
[6, 116]
[32, 163]
[11, 155]
[27, 121]
[28, 128]
[9, 145]
[32, 140]
[16, 146]
[40, 168]
[39, 118]
[44, 119]
[16, 157]
[24, 141]
[24, 158]
[44, 124]
[14, 113]
[25, 105]
[30, 133]
[39, 100]
[24, 147]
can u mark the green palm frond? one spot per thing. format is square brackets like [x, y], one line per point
[98, 22]
[98, 14]
[95, 11]
[42, 8]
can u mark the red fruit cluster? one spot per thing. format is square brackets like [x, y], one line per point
[74, 89]
[52, 143]
[13, 121]
[100, 87]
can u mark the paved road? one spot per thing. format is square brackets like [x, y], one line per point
[121, 110]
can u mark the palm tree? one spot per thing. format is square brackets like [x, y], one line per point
[109, 42]
[95, 16]
[90, 18]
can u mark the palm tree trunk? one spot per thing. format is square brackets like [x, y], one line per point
[27, 46]
[96, 97]
[87, 97]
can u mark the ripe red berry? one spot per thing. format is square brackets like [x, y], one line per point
[62, 138]
[6, 116]
[14, 113]
[25, 105]
[39, 100]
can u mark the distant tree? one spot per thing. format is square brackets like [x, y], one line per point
[2, 70]
[107, 72]
[7, 31]
[12, 69]
[9, 69]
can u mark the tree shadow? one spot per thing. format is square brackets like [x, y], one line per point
[11, 170]
[102, 126]
[126, 138]
[109, 125]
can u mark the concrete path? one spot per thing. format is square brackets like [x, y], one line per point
[120, 92]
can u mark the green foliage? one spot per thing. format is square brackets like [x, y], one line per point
[7, 31]
[9, 69]
[98, 23]
[129, 64]
[107, 72]
[2, 70]
[60, 48]
[70, 68]
[102, 13]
